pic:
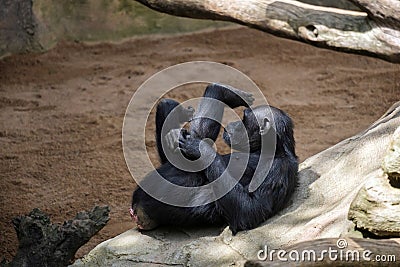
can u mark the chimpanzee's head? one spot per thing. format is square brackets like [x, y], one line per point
[258, 123]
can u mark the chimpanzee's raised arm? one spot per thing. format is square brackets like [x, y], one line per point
[164, 108]
[201, 126]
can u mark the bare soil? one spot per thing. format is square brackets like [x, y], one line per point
[62, 112]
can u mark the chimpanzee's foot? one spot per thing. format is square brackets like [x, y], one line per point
[172, 138]
[234, 97]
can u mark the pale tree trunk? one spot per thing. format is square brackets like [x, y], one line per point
[371, 29]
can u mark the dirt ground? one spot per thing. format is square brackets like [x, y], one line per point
[62, 112]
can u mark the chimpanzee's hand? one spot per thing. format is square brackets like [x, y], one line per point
[172, 138]
[193, 148]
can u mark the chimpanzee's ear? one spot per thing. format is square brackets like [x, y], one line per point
[265, 126]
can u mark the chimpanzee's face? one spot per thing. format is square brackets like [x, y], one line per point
[255, 123]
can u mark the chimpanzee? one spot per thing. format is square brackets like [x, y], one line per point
[240, 208]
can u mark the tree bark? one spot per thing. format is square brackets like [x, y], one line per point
[42, 243]
[373, 31]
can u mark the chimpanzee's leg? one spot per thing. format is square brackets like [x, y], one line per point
[181, 115]
[201, 126]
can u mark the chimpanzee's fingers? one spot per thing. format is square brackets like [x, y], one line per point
[169, 140]
[184, 136]
[184, 132]
[181, 143]
[172, 138]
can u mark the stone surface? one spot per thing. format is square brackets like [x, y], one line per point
[376, 207]
[18, 27]
[328, 183]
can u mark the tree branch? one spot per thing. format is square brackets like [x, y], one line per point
[385, 11]
[42, 243]
[369, 33]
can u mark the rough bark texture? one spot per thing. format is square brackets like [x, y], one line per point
[42, 243]
[374, 32]
[389, 249]
[17, 27]
[385, 11]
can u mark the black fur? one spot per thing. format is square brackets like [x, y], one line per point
[239, 209]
